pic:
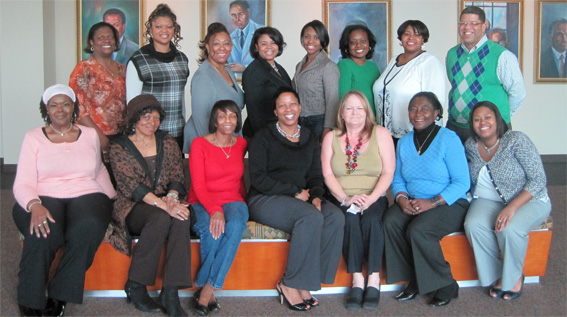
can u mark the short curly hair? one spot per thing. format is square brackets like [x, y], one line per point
[344, 41]
[136, 116]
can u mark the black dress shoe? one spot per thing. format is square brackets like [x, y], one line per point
[444, 295]
[214, 307]
[201, 309]
[169, 300]
[54, 307]
[371, 298]
[137, 294]
[354, 300]
[313, 302]
[27, 311]
[406, 295]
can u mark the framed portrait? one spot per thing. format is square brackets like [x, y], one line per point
[375, 14]
[505, 23]
[241, 19]
[551, 41]
[125, 15]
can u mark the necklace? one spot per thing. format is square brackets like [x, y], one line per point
[142, 141]
[351, 165]
[425, 141]
[492, 147]
[221, 147]
[61, 133]
[293, 136]
[108, 70]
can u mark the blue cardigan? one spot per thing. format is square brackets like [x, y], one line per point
[441, 170]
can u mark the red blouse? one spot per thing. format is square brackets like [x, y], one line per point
[216, 179]
[102, 96]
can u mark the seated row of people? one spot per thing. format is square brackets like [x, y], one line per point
[64, 197]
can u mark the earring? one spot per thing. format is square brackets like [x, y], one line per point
[423, 47]
[92, 49]
[401, 44]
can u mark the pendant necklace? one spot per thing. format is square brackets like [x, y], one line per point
[420, 146]
[221, 147]
[487, 149]
[61, 133]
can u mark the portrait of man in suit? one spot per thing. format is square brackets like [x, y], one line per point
[553, 58]
[117, 18]
[241, 36]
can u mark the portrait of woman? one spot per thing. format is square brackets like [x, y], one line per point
[100, 85]
[358, 161]
[286, 193]
[213, 81]
[509, 199]
[262, 78]
[412, 71]
[148, 168]
[160, 69]
[63, 195]
[217, 196]
[430, 185]
[316, 80]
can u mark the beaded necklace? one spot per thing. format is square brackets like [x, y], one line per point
[351, 165]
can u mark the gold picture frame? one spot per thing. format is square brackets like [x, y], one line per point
[548, 13]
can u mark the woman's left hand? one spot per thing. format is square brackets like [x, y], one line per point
[317, 203]
[216, 225]
[420, 205]
[178, 210]
[504, 218]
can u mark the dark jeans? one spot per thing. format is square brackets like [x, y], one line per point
[314, 124]
[80, 225]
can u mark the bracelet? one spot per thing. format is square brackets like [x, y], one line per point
[436, 201]
[401, 195]
[34, 203]
[343, 202]
[173, 195]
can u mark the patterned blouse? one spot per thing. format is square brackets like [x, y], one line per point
[102, 96]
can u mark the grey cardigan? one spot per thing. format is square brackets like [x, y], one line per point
[516, 166]
[208, 87]
[318, 88]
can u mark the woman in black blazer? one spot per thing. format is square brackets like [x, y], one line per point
[262, 78]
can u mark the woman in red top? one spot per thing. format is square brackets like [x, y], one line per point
[217, 198]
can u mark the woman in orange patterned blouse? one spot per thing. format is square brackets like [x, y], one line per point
[100, 85]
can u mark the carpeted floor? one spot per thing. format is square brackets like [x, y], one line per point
[544, 299]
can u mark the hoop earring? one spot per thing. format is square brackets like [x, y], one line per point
[92, 49]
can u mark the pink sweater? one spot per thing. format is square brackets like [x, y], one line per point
[216, 180]
[60, 170]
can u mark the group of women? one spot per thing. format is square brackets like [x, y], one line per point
[64, 193]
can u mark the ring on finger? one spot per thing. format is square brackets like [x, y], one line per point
[39, 225]
[179, 211]
[45, 222]
[416, 208]
[499, 220]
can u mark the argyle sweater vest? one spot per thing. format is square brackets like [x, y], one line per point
[166, 81]
[473, 78]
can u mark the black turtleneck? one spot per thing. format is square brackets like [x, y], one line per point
[162, 57]
[423, 138]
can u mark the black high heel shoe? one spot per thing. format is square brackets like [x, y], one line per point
[513, 295]
[313, 302]
[213, 307]
[169, 300]
[137, 294]
[298, 307]
[28, 311]
[54, 307]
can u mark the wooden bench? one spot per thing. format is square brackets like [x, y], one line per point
[260, 263]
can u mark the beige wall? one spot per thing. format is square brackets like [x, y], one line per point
[24, 73]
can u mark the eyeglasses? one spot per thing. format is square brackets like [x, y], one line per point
[473, 23]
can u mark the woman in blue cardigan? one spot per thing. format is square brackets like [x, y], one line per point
[509, 199]
[430, 185]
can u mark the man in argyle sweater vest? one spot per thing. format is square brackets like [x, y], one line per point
[480, 70]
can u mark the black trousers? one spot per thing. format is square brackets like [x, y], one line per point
[413, 251]
[156, 228]
[364, 237]
[80, 225]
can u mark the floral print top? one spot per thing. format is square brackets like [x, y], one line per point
[102, 95]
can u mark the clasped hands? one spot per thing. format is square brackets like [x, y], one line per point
[304, 195]
[175, 208]
[414, 206]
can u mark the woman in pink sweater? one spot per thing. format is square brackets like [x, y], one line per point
[217, 198]
[63, 196]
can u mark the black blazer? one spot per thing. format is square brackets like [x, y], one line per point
[548, 68]
[259, 82]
